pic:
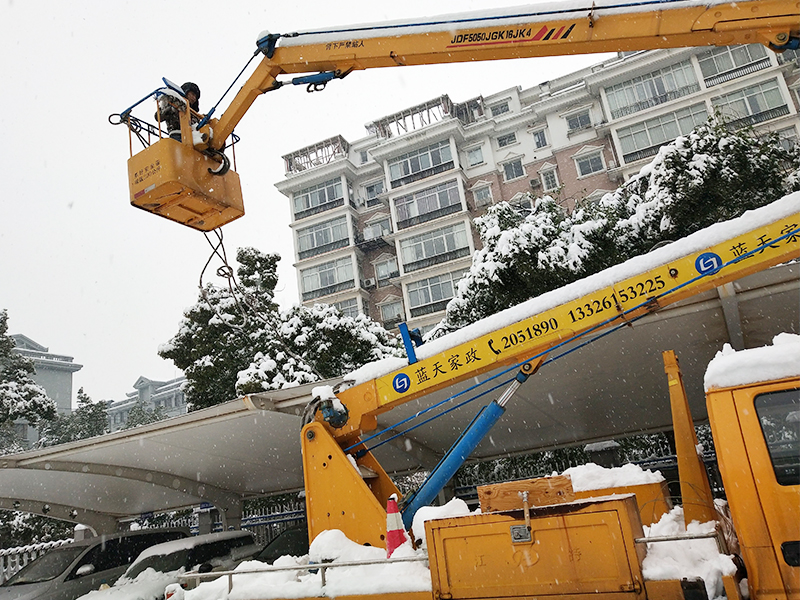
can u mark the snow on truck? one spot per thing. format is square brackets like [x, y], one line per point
[536, 538]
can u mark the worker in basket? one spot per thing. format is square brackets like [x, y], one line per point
[168, 111]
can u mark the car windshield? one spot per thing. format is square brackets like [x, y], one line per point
[163, 563]
[48, 566]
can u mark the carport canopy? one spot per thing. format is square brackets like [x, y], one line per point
[250, 447]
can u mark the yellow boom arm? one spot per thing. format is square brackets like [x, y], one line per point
[177, 180]
[621, 293]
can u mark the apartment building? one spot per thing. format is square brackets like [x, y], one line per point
[382, 225]
[164, 395]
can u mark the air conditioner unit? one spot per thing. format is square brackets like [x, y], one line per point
[368, 283]
[535, 183]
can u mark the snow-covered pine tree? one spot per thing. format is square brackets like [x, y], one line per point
[20, 396]
[89, 419]
[237, 341]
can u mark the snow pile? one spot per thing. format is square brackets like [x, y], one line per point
[149, 584]
[594, 477]
[329, 546]
[455, 508]
[686, 558]
[730, 368]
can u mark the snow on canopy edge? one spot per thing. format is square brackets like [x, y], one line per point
[730, 368]
[696, 242]
[495, 18]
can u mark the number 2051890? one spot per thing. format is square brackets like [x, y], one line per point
[626, 294]
[532, 331]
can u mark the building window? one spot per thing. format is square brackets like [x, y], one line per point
[475, 156]
[323, 237]
[391, 313]
[589, 163]
[722, 64]
[788, 138]
[508, 139]
[364, 157]
[499, 109]
[386, 269]
[513, 170]
[549, 180]
[658, 87]
[425, 205]
[373, 190]
[318, 198]
[643, 139]
[540, 138]
[482, 196]
[377, 229]
[751, 105]
[420, 163]
[348, 308]
[434, 247]
[578, 121]
[327, 278]
[432, 295]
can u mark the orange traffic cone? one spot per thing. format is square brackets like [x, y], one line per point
[395, 532]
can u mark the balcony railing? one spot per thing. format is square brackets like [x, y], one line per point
[343, 243]
[435, 260]
[643, 153]
[422, 174]
[331, 289]
[384, 281]
[429, 309]
[429, 216]
[319, 208]
[655, 101]
[757, 118]
[737, 72]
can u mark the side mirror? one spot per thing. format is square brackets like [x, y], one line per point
[84, 570]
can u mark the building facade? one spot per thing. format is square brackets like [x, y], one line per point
[164, 395]
[53, 373]
[382, 226]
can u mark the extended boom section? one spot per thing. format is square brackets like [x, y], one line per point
[612, 297]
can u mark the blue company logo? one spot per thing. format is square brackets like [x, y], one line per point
[401, 383]
[708, 262]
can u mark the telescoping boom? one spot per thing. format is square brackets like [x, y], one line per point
[191, 181]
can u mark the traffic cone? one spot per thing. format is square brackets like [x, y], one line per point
[395, 532]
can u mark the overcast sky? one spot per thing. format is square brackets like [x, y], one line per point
[87, 275]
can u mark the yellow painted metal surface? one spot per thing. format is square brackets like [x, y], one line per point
[696, 496]
[541, 332]
[765, 513]
[651, 498]
[746, 22]
[171, 179]
[579, 550]
[337, 497]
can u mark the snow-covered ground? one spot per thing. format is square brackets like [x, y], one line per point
[665, 560]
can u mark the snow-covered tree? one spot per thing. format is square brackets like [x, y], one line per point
[22, 529]
[87, 420]
[20, 396]
[708, 176]
[236, 341]
[139, 415]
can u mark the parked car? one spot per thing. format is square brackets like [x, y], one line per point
[290, 542]
[70, 571]
[158, 566]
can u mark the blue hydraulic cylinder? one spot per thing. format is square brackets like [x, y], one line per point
[453, 460]
[463, 447]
